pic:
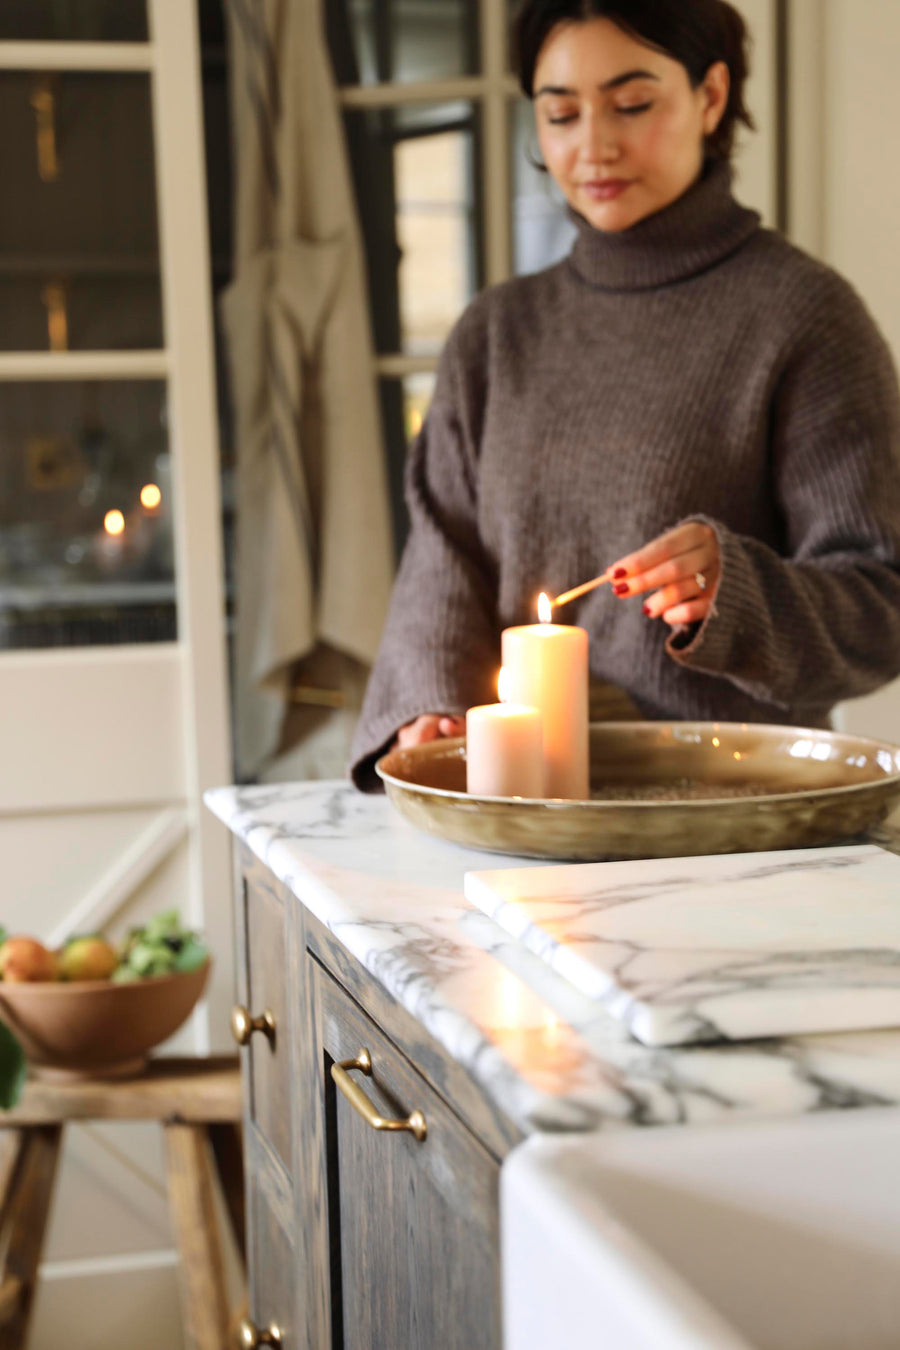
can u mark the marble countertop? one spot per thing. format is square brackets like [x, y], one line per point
[550, 1058]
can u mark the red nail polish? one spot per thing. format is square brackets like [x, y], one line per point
[621, 589]
[648, 611]
[619, 572]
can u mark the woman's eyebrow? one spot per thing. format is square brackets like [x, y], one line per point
[615, 83]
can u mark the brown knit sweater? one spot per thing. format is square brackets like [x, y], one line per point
[695, 366]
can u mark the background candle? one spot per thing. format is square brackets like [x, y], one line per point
[504, 751]
[547, 668]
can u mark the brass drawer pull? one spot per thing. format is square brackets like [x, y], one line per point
[414, 1123]
[243, 1026]
[251, 1337]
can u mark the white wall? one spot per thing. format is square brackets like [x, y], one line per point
[846, 187]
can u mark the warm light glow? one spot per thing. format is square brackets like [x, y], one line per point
[114, 522]
[545, 609]
[503, 685]
[415, 421]
[150, 496]
[716, 742]
[737, 754]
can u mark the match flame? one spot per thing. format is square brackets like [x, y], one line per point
[545, 608]
[114, 522]
[503, 685]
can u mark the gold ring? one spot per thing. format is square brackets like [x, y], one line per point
[701, 581]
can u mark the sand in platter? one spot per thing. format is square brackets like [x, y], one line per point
[682, 790]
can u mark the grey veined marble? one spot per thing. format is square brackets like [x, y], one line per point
[697, 949]
[551, 1058]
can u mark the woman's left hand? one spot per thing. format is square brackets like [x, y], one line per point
[681, 567]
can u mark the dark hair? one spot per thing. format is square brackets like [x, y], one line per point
[695, 32]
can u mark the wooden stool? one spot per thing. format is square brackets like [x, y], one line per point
[198, 1104]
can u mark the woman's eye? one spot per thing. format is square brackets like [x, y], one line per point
[634, 109]
[562, 119]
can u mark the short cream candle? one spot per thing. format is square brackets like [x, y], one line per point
[504, 751]
[547, 669]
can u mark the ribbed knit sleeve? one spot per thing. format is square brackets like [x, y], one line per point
[440, 649]
[818, 621]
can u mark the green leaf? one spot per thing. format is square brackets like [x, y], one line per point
[192, 955]
[13, 1068]
[167, 924]
[124, 975]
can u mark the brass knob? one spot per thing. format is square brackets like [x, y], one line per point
[243, 1025]
[250, 1337]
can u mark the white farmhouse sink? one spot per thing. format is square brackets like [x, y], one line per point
[770, 1236]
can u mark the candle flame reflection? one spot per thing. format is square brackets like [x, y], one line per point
[114, 522]
[503, 685]
[545, 609]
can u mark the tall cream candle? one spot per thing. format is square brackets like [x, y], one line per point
[547, 669]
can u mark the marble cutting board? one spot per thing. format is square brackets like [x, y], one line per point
[734, 946]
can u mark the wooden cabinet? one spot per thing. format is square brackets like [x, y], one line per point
[414, 1253]
[268, 1048]
[360, 1237]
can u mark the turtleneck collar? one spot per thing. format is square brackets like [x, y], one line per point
[692, 234]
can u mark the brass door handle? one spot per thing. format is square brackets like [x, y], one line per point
[250, 1337]
[414, 1123]
[243, 1025]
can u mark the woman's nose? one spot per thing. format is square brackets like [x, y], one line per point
[598, 143]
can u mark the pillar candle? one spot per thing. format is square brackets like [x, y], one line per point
[547, 669]
[504, 751]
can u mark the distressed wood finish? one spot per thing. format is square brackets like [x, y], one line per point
[198, 1101]
[268, 985]
[386, 1243]
[26, 1208]
[201, 1270]
[415, 1225]
[171, 1088]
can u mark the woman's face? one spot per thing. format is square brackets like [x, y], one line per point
[619, 126]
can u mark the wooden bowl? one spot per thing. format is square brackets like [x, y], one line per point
[95, 1028]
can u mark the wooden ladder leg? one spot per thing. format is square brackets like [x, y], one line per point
[28, 1193]
[204, 1295]
[225, 1138]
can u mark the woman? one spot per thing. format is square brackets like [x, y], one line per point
[687, 399]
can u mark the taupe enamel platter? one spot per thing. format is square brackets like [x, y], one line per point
[664, 789]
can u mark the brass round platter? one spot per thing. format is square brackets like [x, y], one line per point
[664, 789]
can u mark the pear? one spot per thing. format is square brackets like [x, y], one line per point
[24, 960]
[87, 958]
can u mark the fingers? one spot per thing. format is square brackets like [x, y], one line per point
[693, 611]
[656, 606]
[681, 570]
[429, 727]
[452, 726]
[420, 731]
[683, 539]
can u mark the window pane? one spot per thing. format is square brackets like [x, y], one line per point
[418, 194]
[86, 552]
[542, 231]
[376, 41]
[404, 407]
[79, 260]
[71, 20]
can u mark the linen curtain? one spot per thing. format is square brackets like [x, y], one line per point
[314, 562]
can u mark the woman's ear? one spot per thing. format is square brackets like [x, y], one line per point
[716, 88]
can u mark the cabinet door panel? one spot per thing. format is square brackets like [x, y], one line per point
[414, 1225]
[270, 1257]
[269, 1058]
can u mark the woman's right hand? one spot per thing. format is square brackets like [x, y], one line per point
[430, 727]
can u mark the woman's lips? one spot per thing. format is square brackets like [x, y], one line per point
[605, 190]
